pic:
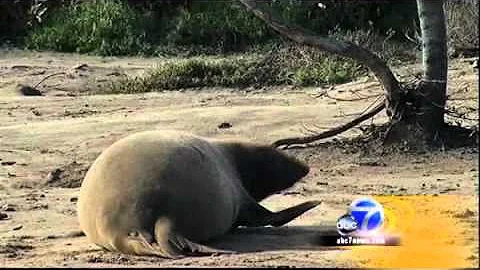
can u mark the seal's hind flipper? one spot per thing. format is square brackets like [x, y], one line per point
[188, 247]
[143, 244]
[255, 215]
[286, 215]
[175, 247]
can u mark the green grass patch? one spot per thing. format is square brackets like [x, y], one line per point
[287, 66]
[108, 27]
[116, 27]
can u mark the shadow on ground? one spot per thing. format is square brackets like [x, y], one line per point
[245, 240]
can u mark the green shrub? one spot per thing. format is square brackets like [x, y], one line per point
[187, 73]
[223, 26]
[115, 27]
[290, 65]
[107, 27]
[327, 71]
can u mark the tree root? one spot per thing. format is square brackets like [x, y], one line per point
[331, 132]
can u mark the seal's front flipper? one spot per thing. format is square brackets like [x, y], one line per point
[255, 215]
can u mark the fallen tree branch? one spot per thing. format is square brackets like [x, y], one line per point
[393, 91]
[331, 132]
[353, 99]
[46, 77]
[369, 106]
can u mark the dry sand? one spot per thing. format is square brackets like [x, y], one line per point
[48, 142]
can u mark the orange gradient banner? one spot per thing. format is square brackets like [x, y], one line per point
[435, 231]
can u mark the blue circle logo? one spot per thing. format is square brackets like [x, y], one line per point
[368, 213]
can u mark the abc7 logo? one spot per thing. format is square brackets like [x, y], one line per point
[346, 225]
[365, 215]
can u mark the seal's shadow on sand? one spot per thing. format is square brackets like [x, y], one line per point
[277, 238]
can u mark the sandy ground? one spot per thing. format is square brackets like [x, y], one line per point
[48, 142]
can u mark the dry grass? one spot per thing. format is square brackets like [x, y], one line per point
[462, 23]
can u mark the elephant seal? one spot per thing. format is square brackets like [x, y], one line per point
[164, 193]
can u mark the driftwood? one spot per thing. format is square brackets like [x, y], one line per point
[330, 132]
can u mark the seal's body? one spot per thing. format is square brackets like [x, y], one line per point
[164, 192]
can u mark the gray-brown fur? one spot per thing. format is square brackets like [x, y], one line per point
[164, 192]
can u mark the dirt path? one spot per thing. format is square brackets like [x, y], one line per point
[48, 142]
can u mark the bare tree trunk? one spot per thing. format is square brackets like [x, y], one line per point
[421, 120]
[435, 65]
